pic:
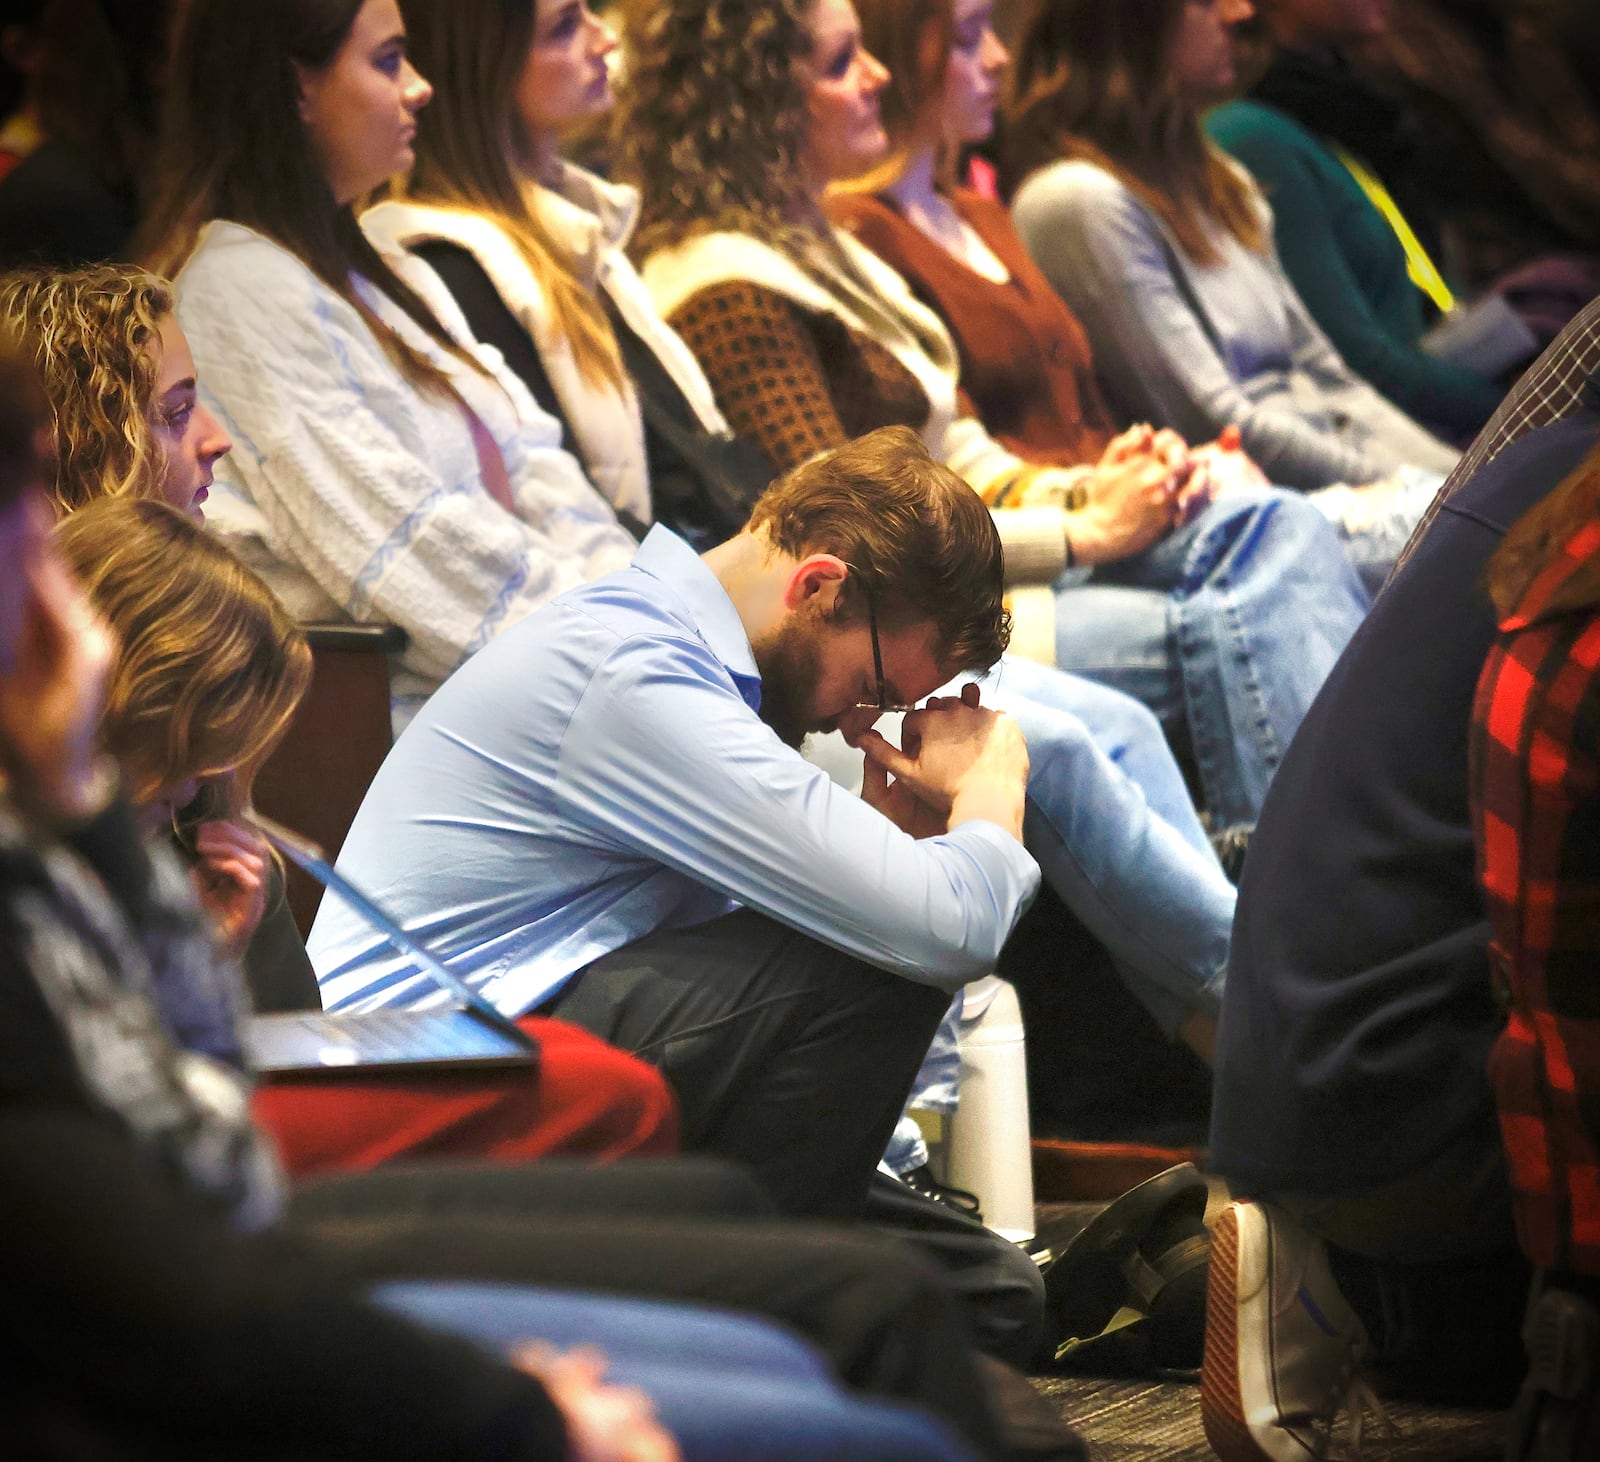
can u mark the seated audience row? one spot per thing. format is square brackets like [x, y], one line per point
[1163, 248]
[408, 520]
[114, 358]
[114, 931]
[463, 410]
[1221, 616]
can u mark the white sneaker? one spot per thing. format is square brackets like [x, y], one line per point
[1282, 1344]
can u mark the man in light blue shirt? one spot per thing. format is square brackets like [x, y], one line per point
[602, 816]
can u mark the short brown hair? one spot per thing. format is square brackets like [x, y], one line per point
[918, 538]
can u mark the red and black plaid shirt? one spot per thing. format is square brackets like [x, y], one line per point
[1536, 813]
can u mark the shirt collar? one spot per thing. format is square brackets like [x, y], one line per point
[589, 215]
[666, 557]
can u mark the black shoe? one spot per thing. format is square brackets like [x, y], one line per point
[921, 1180]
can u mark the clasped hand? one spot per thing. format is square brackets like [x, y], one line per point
[1144, 485]
[956, 759]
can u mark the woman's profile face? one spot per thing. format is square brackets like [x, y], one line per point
[1200, 59]
[844, 133]
[972, 74]
[190, 437]
[361, 108]
[566, 79]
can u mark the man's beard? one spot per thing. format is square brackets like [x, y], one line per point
[787, 662]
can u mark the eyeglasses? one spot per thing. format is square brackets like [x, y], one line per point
[882, 705]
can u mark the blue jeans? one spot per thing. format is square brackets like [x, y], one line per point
[729, 1388]
[1111, 823]
[1115, 833]
[1228, 626]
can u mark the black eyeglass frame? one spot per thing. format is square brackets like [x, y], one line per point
[882, 705]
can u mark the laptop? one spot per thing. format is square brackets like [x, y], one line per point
[470, 1034]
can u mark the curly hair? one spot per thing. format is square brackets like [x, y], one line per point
[711, 119]
[210, 666]
[24, 421]
[90, 332]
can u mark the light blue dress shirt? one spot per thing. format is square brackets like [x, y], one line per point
[599, 772]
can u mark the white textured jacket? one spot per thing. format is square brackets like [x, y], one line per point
[354, 493]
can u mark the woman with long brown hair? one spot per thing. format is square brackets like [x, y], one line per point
[385, 466]
[531, 246]
[1163, 249]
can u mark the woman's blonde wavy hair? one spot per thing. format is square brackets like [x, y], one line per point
[91, 333]
[210, 667]
[711, 121]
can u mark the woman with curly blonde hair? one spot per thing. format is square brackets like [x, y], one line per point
[121, 384]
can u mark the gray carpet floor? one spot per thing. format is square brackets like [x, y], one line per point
[1140, 1421]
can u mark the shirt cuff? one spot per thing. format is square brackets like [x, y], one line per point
[1008, 866]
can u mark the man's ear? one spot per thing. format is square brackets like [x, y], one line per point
[813, 584]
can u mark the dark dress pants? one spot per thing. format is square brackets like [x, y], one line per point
[786, 1056]
[683, 1229]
